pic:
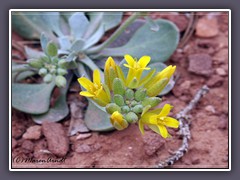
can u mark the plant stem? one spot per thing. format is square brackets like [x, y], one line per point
[114, 36]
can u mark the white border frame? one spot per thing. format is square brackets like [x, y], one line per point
[123, 10]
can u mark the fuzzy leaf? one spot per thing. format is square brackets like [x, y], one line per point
[158, 44]
[97, 119]
[32, 98]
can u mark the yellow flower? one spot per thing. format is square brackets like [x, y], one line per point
[95, 89]
[111, 71]
[118, 121]
[158, 82]
[135, 69]
[157, 120]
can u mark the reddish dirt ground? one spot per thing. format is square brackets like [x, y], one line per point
[208, 146]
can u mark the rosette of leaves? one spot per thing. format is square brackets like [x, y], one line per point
[79, 38]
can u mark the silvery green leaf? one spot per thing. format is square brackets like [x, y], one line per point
[94, 38]
[30, 25]
[158, 44]
[78, 45]
[32, 98]
[44, 42]
[64, 42]
[59, 110]
[109, 20]
[32, 53]
[52, 20]
[78, 23]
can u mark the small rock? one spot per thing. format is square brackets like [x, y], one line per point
[223, 123]
[57, 139]
[221, 72]
[28, 145]
[195, 160]
[200, 64]
[221, 56]
[207, 27]
[83, 136]
[215, 81]
[210, 108]
[185, 85]
[33, 132]
[14, 143]
[152, 143]
[83, 148]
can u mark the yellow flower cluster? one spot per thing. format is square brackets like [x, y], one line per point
[130, 99]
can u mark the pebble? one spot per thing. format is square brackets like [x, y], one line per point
[207, 27]
[221, 56]
[152, 143]
[221, 72]
[33, 132]
[57, 140]
[83, 148]
[200, 64]
[215, 81]
[223, 123]
[210, 108]
[83, 136]
[28, 145]
[14, 143]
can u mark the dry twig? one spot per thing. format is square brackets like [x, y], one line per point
[184, 130]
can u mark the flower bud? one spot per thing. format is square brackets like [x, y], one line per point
[137, 109]
[133, 103]
[42, 71]
[118, 99]
[152, 101]
[118, 87]
[125, 109]
[118, 121]
[62, 63]
[61, 71]
[35, 63]
[52, 49]
[55, 60]
[112, 107]
[140, 94]
[129, 94]
[53, 71]
[131, 117]
[60, 81]
[133, 84]
[48, 78]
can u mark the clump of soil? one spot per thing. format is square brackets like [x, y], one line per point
[204, 60]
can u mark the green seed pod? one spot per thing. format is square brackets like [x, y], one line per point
[140, 94]
[137, 109]
[112, 107]
[129, 94]
[61, 71]
[53, 71]
[133, 103]
[60, 81]
[131, 117]
[42, 71]
[35, 63]
[134, 83]
[48, 78]
[152, 101]
[52, 49]
[118, 87]
[125, 109]
[118, 99]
